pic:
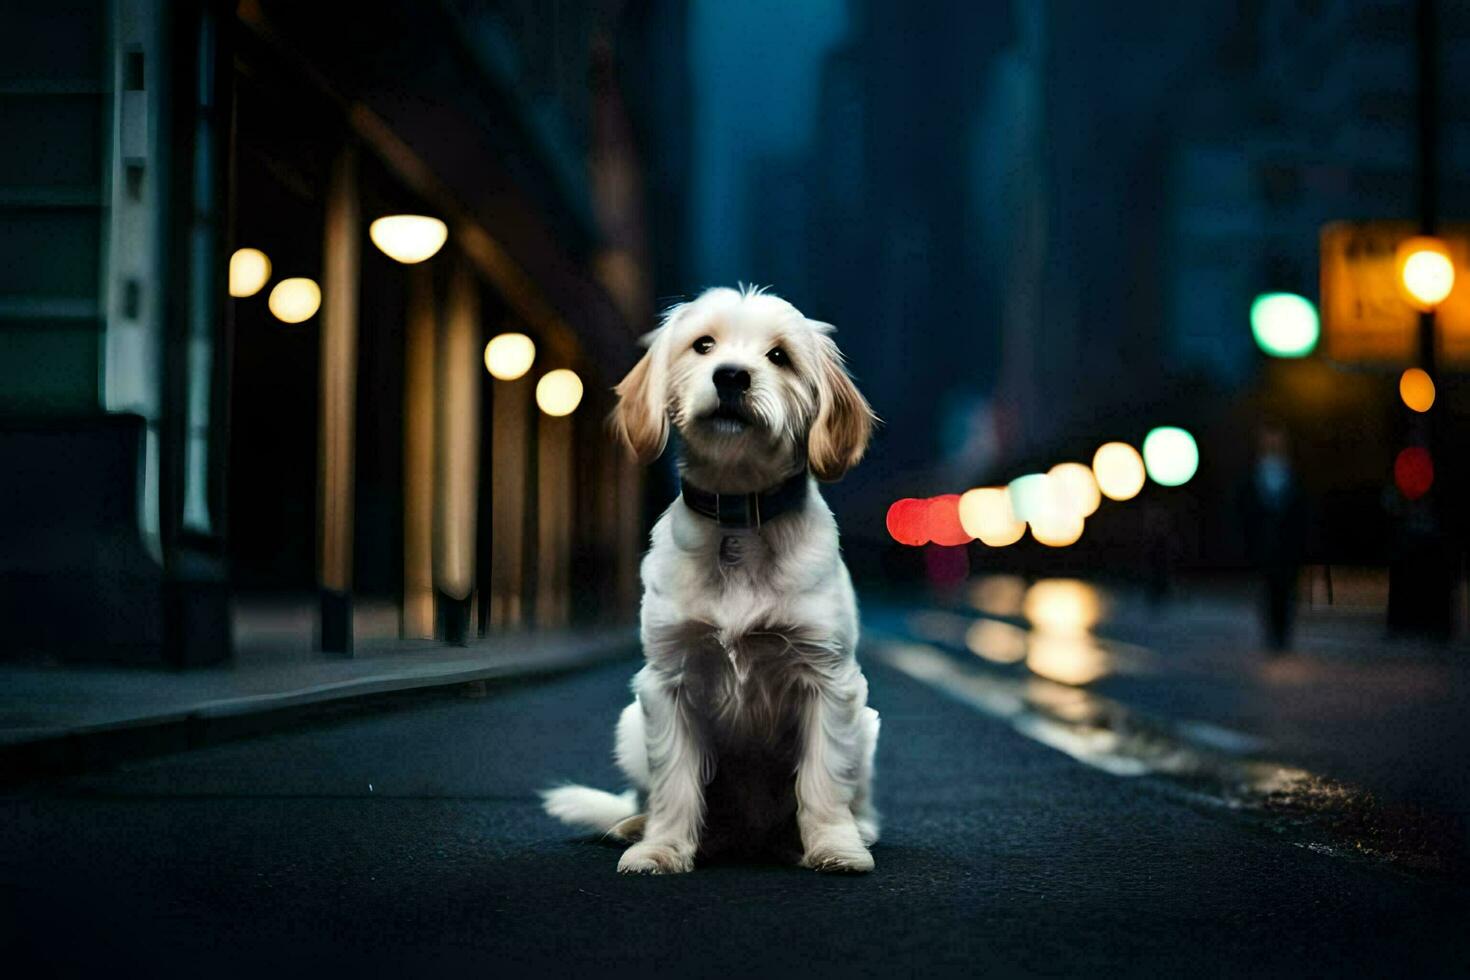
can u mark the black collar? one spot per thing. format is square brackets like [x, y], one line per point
[746, 510]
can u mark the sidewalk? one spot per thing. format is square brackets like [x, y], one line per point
[57, 719]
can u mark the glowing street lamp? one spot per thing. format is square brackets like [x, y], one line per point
[508, 356]
[1285, 324]
[250, 270]
[1426, 273]
[408, 238]
[295, 300]
[1171, 456]
[559, 392]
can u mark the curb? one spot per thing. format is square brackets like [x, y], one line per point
[87, 747]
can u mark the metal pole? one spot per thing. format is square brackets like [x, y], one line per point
[456, 481]
[338, 404]
[485, 551]
[419, 427]
[531, 514]
[1435, 603]
[1428, 191]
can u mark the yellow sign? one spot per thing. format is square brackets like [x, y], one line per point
[1365, 314]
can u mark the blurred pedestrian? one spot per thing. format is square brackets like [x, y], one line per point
[1274, 510]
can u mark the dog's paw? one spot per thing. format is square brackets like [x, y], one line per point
[838, 855]
[656, 858]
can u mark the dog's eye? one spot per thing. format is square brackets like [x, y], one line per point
[704, 345]
[778, 357]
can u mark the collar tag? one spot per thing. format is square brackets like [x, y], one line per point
[732, 549]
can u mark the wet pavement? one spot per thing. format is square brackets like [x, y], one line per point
[1389, 715]
[1202, 765]
[411, 842]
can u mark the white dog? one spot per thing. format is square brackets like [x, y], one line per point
[750, 729]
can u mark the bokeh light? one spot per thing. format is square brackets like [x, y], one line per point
[1042, 503]
[559, 392]
[408, 238]
[985, 513]
[998, 595]
[1056, 528]
[943, 519]
[1285, 324]
[1413, 472]
[1426, 271]
[1063, 606]
[1028, 495]
[509, 356]
[1170, 455]
[1077, 487]
[250, 270]
[1062, 613]
[1119, 471]
[1416, 388]
[998, 642]
[908, 521]
[295, 300]
[1071, 660]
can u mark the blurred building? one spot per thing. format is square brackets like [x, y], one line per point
[964, 213]
[1311, 119]
[174, 452]
[895, 233]
[1040, 226]
[1319, 125]
[869, 223]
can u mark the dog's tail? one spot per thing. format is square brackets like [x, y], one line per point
[610, 814]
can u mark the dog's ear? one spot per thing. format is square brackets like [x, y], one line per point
[641, 417]
[839, 436]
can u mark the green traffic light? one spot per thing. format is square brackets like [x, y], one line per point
[1285, 324]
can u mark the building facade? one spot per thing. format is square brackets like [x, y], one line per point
[203, 464]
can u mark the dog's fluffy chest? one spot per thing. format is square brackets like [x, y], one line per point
[741, 622]
[744, 685]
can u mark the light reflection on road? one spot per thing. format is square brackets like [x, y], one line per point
[996, 641]
[1063, 607]
[1222, 770]
[1059, 644]
[1074, 660]
[998, 595]
[1062, 613]
[1048, 625]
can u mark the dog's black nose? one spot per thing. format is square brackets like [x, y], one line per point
[731, 380]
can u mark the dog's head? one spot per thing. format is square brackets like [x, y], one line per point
[752, 386]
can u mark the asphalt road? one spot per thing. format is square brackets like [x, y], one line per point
[410, 843]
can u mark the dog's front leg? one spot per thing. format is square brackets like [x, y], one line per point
[676, 782]
[828, 774]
